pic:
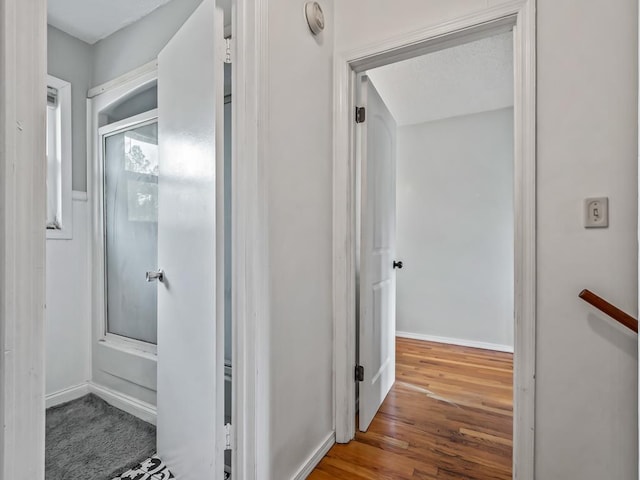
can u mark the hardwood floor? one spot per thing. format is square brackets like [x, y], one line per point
[448, 416]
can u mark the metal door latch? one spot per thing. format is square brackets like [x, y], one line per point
[157, 275]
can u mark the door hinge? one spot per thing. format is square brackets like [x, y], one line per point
[359, 373]
[227, 50]
[228, 436]
[361, 114]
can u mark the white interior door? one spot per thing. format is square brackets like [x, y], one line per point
[190, 247]
[377, 250]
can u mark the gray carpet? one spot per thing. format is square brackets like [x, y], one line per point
[88, 439]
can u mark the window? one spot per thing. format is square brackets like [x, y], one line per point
[59, 208]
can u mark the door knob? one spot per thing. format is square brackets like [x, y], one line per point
[157, 275]
[397, 264]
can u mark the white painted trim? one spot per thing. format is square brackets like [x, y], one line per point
[150, 68]
[66, 395]
[250, 302]
[65, 114]
[520, 14]
[220, 377]
[130, 346]
[143, 410]
[78, 196]
[524, 374]
[23, 58]
[313, 461]
[456, 341]
[139, 120]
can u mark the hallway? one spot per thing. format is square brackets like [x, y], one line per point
[448, 416]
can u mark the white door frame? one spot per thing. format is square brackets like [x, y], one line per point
[519, 15]
[250, 300]
[23, 57]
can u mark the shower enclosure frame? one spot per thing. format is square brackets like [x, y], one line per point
[119, 341]
[123, 368]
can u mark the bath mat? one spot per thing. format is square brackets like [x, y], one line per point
[88, 439]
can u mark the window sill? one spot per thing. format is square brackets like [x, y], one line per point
[66, 232]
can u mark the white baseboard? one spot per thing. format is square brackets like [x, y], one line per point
[143, 410]
[66, 395]
[314, 460]
[456, 341]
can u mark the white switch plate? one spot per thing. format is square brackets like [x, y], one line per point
[596, 212]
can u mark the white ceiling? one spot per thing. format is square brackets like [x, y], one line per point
[470, 78]
[93, 20]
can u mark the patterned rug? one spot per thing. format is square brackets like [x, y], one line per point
[152, 469]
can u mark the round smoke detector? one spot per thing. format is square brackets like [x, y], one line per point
[315, 17]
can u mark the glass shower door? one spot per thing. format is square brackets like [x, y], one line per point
[131, 229]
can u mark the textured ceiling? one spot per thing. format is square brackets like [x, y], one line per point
[470, 78]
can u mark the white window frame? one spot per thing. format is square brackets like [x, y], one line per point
[64, 146]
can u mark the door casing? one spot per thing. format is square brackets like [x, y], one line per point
[518, 15]
[23, 57]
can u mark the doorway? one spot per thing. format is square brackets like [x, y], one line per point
[436, 215]
[517, 19]
[156, 268]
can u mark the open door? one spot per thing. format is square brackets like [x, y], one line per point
[190, 430]
[377, 250]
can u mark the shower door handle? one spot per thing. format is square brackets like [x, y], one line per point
[156, 275]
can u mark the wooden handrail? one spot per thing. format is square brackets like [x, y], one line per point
[611, 310]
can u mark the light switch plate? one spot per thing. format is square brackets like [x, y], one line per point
[596, 212]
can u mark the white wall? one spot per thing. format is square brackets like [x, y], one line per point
[67, 316]
[140, 42]
[86, 66]
[455, 229]
[587, 143]
[71, 59]
[298, 161]
[586, 398]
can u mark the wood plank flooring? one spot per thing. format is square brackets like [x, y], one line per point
[448, 416]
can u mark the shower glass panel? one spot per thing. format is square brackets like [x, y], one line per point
[131, 230]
